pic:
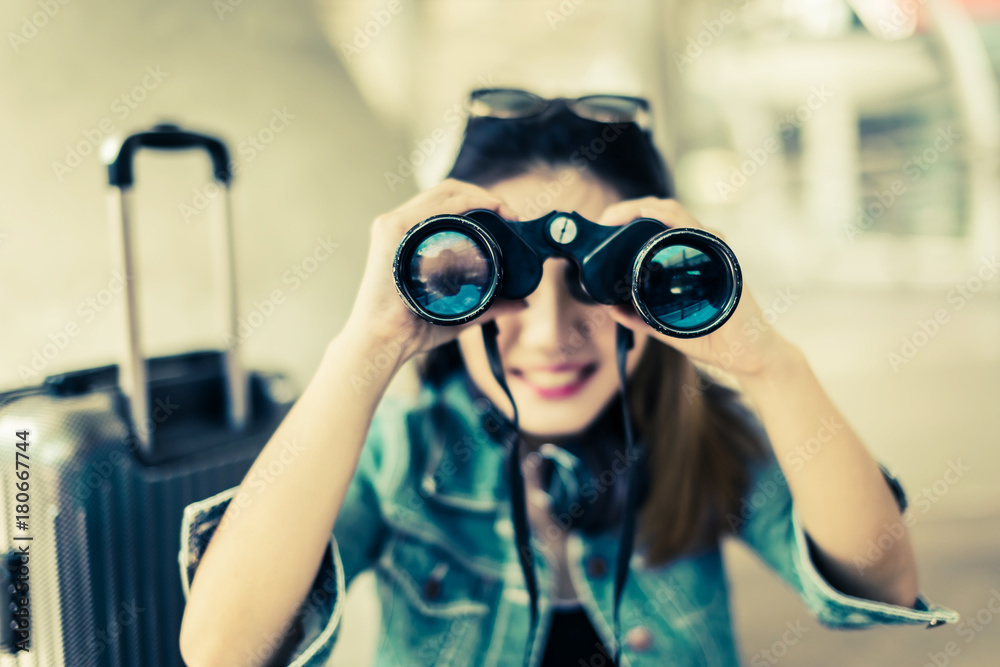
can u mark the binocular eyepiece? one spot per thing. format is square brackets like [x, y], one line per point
[683, 282]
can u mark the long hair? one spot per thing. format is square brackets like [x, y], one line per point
[700, 436]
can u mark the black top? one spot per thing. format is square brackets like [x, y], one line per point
[573, 641]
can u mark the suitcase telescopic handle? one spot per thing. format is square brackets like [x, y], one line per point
[167, 137]
[133, 376]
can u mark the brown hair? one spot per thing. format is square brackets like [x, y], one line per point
[700, 438]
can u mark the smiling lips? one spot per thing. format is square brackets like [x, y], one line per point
[558, 381]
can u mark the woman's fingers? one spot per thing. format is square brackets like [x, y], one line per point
[378, 307]
[623, 212]
[667, 211]
[449, 197]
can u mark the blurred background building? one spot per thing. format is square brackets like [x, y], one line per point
[847, 150]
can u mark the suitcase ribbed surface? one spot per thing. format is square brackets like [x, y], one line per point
[104, 581]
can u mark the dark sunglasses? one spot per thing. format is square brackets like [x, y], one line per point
[516, 103]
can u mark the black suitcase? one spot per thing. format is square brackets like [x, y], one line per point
[96, 499]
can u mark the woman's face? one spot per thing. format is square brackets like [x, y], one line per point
[558, 354]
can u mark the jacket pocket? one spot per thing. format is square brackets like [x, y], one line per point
[434, 605]
[198, 524]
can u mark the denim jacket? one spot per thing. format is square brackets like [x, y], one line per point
[434, 521]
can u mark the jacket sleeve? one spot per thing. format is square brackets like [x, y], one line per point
[769, 524]
[355, 543]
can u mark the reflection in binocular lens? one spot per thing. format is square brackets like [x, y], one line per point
[685, 288]
[449, 274]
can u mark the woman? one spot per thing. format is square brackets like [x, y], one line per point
[418, 488]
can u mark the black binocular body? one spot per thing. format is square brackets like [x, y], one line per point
[683, 282]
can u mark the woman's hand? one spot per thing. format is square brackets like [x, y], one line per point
[739, 346]
[839, 491]
[379, 315]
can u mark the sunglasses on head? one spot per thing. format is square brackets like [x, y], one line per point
[514, 103]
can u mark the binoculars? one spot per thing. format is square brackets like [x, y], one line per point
[683, 282]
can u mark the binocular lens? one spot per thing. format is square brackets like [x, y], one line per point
[687, 288]
[449, 274]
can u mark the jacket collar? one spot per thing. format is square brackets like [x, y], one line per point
[467, 440]
[465, 454]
